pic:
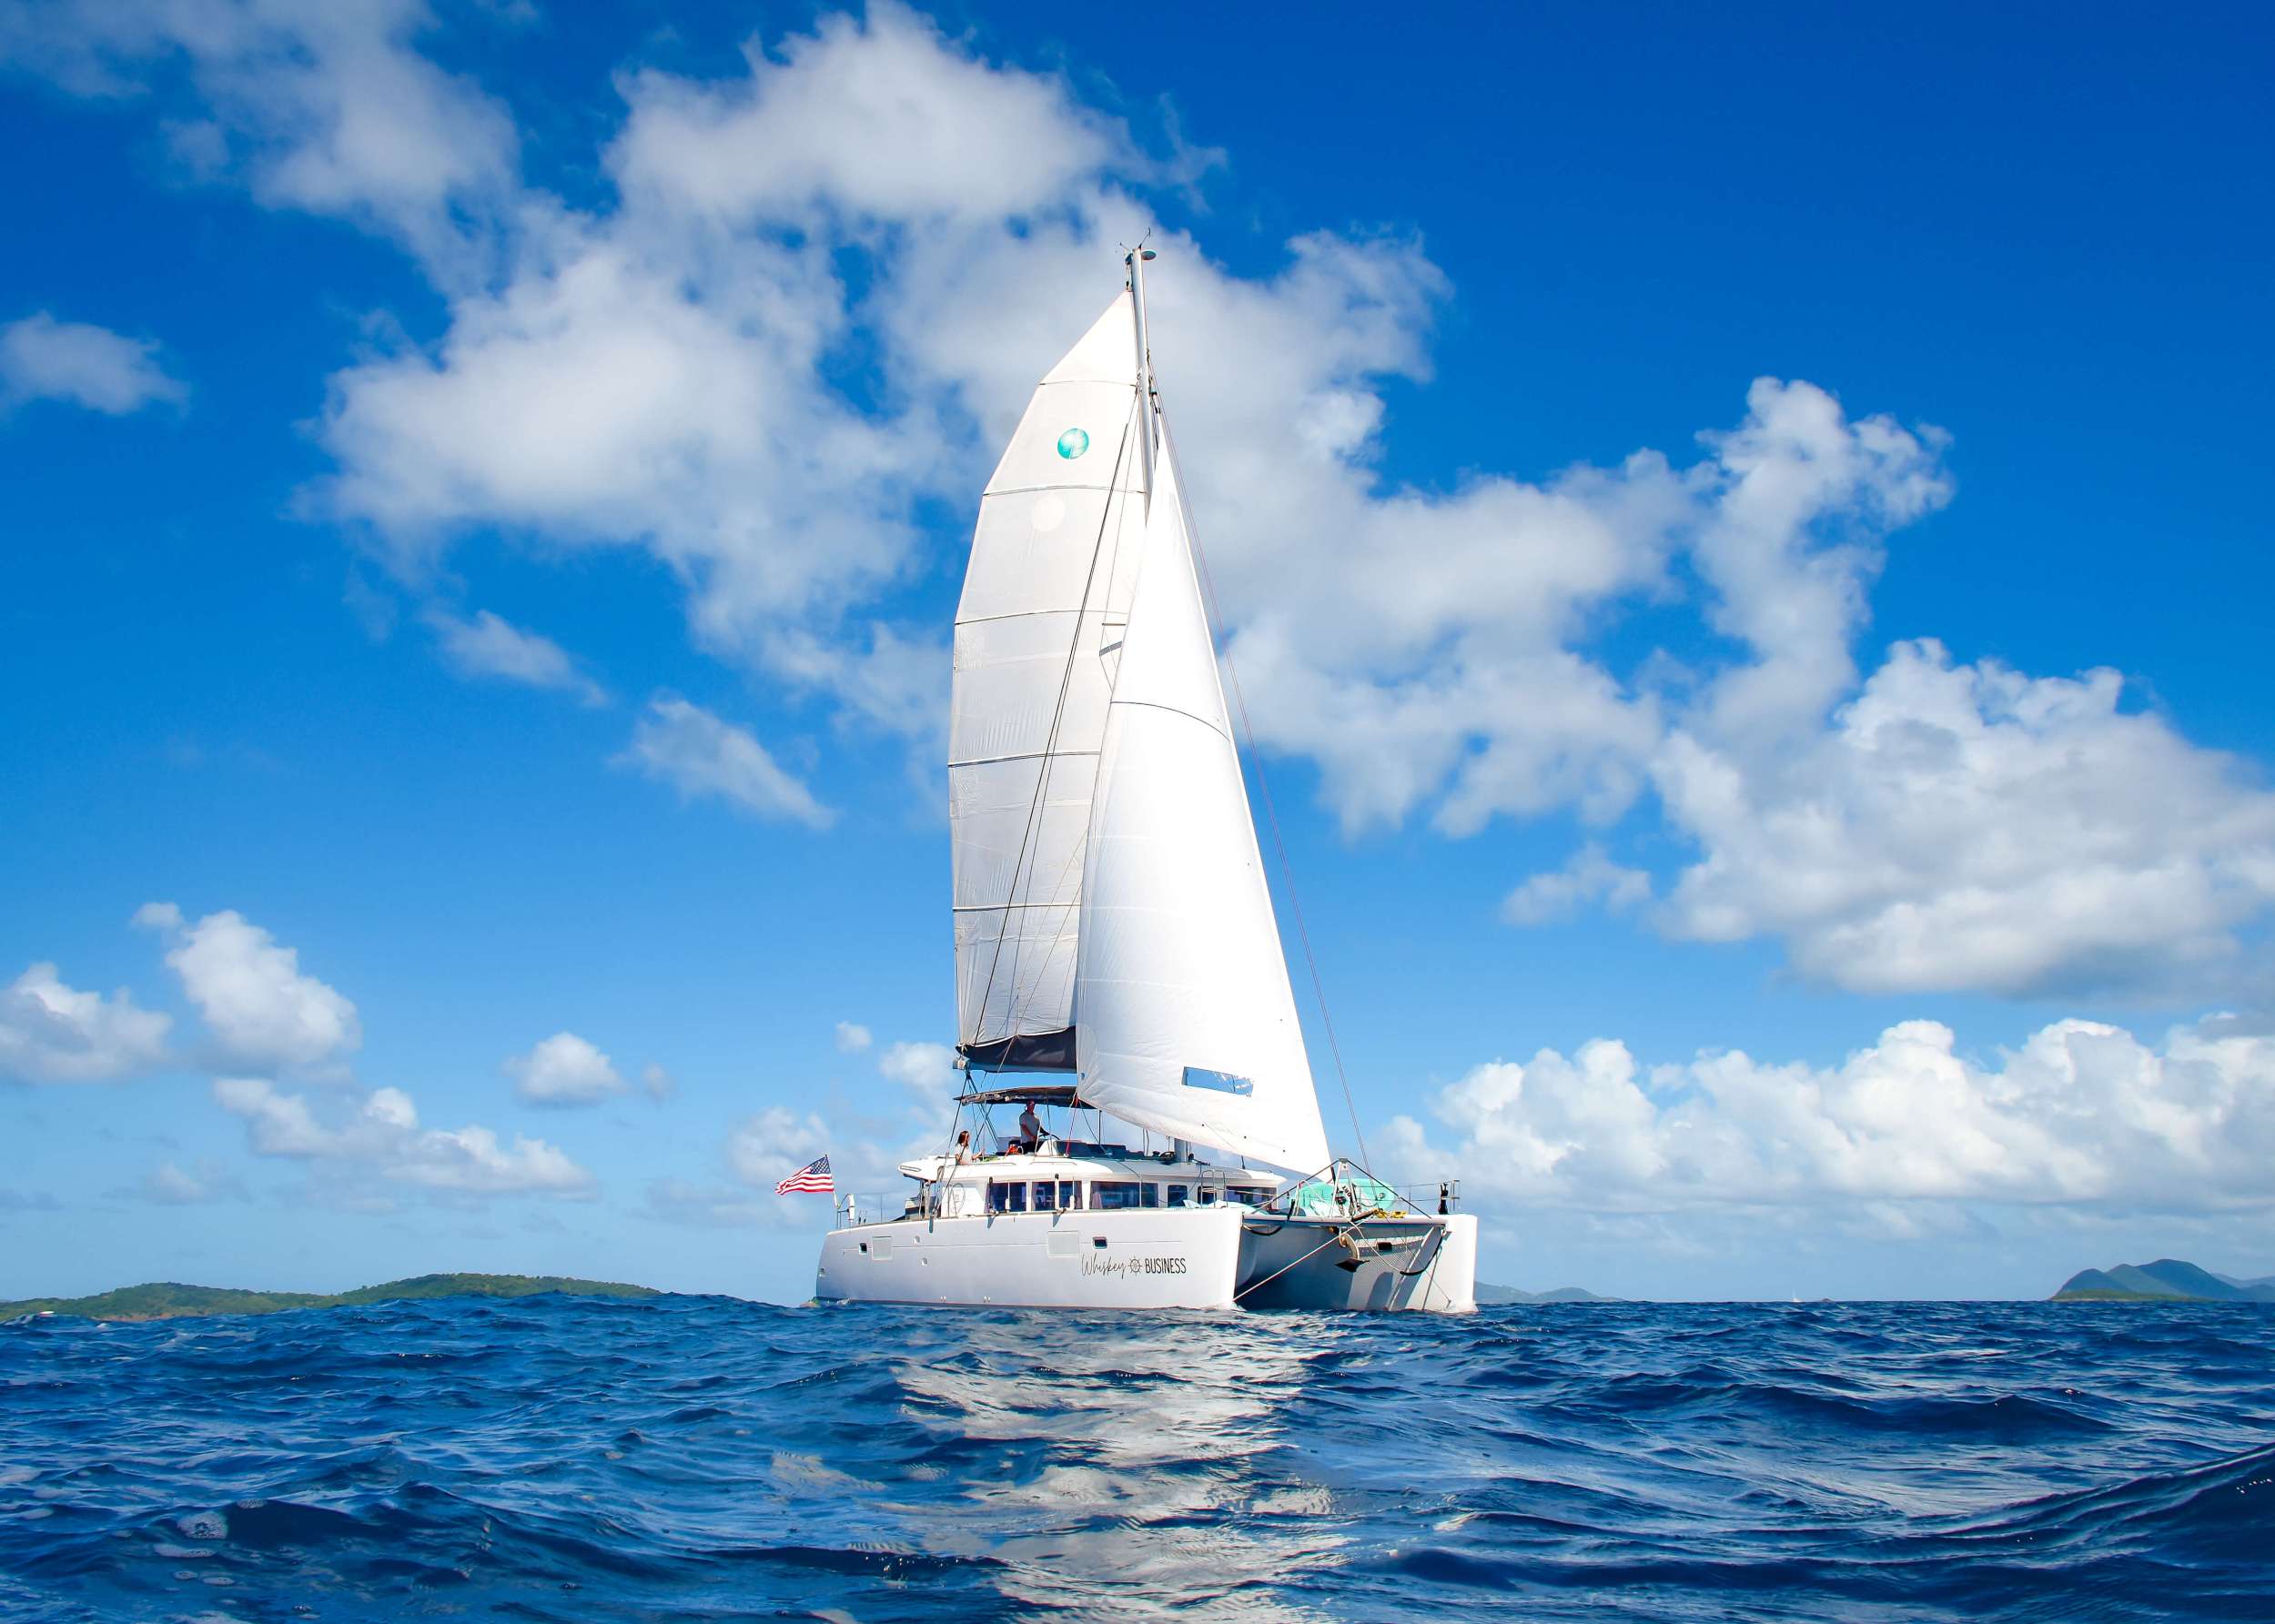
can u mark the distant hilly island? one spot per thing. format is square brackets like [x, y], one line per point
[167, 1300]
[2166, 1280]
[1487, 1294]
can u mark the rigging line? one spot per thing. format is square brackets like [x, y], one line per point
[1042, 775]
[1271, 814]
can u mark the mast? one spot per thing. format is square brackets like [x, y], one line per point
[1136, 259]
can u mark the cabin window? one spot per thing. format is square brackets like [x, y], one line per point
[1007, 1198]
[1149, 1194]
[1108, 1197]
[1180, 1194]
[1069, 1196]
[1207, 1196]
[1043, 1196]
[1247, 1193]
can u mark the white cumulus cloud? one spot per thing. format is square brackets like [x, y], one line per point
[488, 646]
[699, 754]
[51, 1032]
[2080, 1113]
[380, 1134]
[251, 992]
[850, 119]
[328, 108]
[1799, 497]
[1589, 877]
[564, 1070]
[42, 359]
[171, 1184]
[1966, 826]
[768, 1145]
[852, 1037]
[928, 1068]
[759, 1152]
[865, 1143]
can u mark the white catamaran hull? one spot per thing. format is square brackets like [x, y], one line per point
[1181, 1258]
[1208, 1257]
[1422, 1262]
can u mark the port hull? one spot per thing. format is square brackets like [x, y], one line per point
[1194, 1257]
[1187, 1257]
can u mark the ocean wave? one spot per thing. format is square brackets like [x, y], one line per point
[577, 1459]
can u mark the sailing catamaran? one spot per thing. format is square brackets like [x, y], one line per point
[1113, 923]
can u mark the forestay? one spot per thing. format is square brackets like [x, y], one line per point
[1185, 1020]
[1044, 597]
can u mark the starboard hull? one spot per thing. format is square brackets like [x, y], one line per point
[1417, 1263]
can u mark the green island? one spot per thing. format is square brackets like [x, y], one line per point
[167, 1300]
[2166, 1280]
[1491, 1296]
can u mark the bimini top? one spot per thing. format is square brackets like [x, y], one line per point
[1040, 1094]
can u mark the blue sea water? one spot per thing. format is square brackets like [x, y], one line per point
[702, 1458]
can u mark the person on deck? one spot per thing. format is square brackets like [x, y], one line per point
[1031, 1127]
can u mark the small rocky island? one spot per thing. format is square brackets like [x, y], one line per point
[167, 1300]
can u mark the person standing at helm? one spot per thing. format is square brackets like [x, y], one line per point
[1031, 1127]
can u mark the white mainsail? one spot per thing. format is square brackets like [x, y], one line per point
[1185, 1021]
[1052, 562]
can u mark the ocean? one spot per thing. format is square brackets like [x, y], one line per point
[689, 1458]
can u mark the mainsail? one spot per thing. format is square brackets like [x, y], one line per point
[1185, 1020]
[1052, 563]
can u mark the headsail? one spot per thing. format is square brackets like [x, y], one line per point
[1186, 1022]
[1052, 562]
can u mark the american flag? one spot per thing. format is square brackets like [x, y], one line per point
[811, 1178]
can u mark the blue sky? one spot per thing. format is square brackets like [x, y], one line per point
[487, 488]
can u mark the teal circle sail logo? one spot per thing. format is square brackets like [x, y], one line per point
[1073, 444]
